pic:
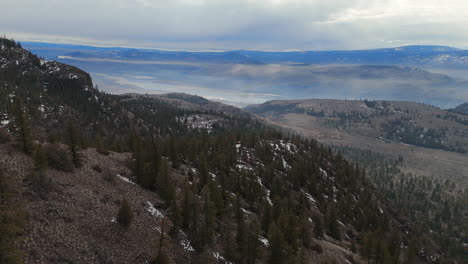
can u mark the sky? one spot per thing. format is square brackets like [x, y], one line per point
[238, 24]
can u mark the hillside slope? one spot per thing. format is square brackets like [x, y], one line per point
[462, 109]
[416, 131]
[232, 188]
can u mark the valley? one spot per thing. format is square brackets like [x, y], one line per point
[430, 140]
[242, 78]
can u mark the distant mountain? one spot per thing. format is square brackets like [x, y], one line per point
[249, 77]
[462, 109]
[418, 56]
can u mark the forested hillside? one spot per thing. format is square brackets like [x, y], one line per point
[87, 177]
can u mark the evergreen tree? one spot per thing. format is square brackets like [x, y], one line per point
[203, 172]
[209, 216]
[410, 257]
[125, 215]
[100, 147]
[187, 207]
[332, 224]
[41, 158]
[276, 246]
[22, 126]
[266, 219]
[252, 242]
[241, 240]
[318, 226]
[164, 184]
[73, 135]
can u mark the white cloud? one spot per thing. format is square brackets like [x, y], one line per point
[240, 24]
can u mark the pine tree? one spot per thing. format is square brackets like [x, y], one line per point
[176, 215]
[394, 247]
[74, 145]
[318, 226]
[125, 215]
[139, 163]
[252, 241]
[266, 218]
[305, 233]
[164, 184]
[410, 257]
[41, 158]
[241, 240]
[276, 246]
[209, 216]
[100, 147]
[332, 224]
[216, 197]
[203, 173]
[187, 207]
[22, 126]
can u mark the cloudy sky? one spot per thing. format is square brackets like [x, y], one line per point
[239, 24]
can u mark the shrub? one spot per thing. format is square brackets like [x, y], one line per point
[97, 168]
[59, 159]
[108, 175]
[4, 136]
[317, 248]
[103, 151]
[41, 183]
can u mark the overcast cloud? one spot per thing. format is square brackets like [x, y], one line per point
[239, 24]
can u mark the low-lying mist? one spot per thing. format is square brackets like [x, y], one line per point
[244, 84]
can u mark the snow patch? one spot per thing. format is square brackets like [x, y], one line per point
[125, 179]
[264, 241]
[153, 211]
[185, 243]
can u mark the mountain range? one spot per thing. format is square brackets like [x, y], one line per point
[91, 177]
[406, 55]
[427, 74]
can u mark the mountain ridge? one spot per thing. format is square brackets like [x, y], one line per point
[230, 188]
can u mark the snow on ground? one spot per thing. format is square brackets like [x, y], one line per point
[243, 167]
[310, 198]
[153, 211]
[286, 166]
[5, 122]
[219, 258]
[264, 241]
[267, 196]
[246, 211]
[323, 172]
[185, 243]
[124, 179]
